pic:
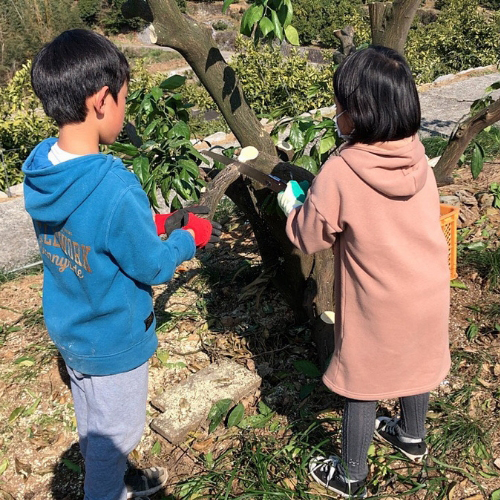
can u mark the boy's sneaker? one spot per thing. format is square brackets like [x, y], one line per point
[143, 482]
[326, 472]
[387, 429]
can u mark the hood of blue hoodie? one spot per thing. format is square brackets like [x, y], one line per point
[53, 192]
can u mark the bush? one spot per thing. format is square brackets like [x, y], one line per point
[462, 37]
[316, 20]
[22, 126]
[272, 81]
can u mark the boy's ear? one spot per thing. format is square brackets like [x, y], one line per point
[98, 100]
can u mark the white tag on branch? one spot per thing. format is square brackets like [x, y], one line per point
[248, 153]
[152, 34]
[328, 317]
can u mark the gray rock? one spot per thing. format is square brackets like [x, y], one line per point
[18, 245]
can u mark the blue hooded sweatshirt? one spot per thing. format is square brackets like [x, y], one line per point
[101, 253]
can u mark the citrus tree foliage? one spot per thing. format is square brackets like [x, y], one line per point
[317, 20]
[268, 20]
[22, 126]
[281, 85]
[162, 156]
[462, 37]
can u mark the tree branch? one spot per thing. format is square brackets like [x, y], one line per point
[461, 138]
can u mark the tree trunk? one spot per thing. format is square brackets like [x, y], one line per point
[461, 138]
[305, 281]
[391, 21]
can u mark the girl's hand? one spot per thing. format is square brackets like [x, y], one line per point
[293, 196]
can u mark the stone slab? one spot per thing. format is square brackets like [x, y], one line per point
[185, 406]
[18, 244]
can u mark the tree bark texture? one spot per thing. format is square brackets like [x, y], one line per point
[305, 281]
[461, 138]
[391, 21]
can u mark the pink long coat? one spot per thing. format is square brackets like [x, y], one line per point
[378, 206]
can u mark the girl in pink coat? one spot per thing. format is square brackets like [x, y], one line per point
[377, 206]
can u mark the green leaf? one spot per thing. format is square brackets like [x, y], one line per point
[3, 466]
[495, 495]
[308, 163]
[476, 246]
[250, 17]
[180, 129]
[140, 166]
[278, 28]
[477, 160]
[255, 421]
[305, 390]
[150, 128]
[190, 166]
[285, 13]
[16, 413]
[174, 82]
[236, 415]
[266, 26]
[458, 284]
[326, 144]
[127, 149]
[156, 448]
[25, 361]
[163, 356]
[264, 409]
[493, 86]
[71, 465]
[292, 35]
[226, 5]
[472, 331]
[296, 138]
[217, 413]
[32, 408]
[157, 93]
[307, 368]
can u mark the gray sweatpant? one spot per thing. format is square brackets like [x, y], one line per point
[110, 414]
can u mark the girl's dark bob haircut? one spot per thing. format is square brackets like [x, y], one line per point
[376, 88]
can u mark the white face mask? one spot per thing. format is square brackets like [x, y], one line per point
[346, 137]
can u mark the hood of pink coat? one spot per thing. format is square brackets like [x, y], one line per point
[395, 169]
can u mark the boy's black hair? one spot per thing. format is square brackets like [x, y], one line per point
[376, 87]
[73, 67]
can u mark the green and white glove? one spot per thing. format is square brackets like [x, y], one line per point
[293, 196]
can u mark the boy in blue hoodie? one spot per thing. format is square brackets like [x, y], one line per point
[101, 254]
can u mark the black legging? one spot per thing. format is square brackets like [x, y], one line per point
[358, 425]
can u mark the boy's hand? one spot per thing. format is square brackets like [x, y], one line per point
[206, 232]
[293, 196]
[166, 223]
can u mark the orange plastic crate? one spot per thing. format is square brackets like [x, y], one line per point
[449, 218]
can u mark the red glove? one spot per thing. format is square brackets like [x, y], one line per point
[160, 220]
[207, 232]
[202, 229]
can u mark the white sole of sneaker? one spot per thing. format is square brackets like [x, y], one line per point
[145, 494]
[330, 488]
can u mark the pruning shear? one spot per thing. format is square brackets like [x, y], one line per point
[270, 181]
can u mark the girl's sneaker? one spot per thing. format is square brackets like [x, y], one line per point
[388, 430]
[326, 471]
